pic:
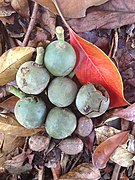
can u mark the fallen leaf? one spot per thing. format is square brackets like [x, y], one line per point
[71, 9]
[9, 125]
[17, 161]
[6, 11]
[127, 114]
[122, 157]
[19, 170]
[21, 7]
[10, 144]
[48, 21]
[83, 171]
[103, 152]
[9, 103]
[3, 3]
[111, 15]
[11, 60]
[71, 146]
[94, 66]
[104, 132]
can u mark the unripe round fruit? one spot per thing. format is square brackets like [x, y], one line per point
[31, 78]
[62, 91]
[92, 101]
[60, 61]
[60, 123]
[30, 112]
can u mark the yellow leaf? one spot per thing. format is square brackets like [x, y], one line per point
[11, 60]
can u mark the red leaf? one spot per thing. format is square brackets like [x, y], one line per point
[103, 152]
[94, 66]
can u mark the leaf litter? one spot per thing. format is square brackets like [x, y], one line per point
[47, 151]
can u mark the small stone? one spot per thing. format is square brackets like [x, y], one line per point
[39, 142]
[71, 146]
[85, 126]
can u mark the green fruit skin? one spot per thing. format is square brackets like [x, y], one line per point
[59, 61]
[62, 91]
[30, 112]
[60, 123]
[91, 102]
[32, 79]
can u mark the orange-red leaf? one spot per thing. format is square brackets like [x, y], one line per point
[103, 152]
[94, 66]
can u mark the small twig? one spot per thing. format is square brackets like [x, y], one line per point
[116, 39]
[116, 171]
[31, 24]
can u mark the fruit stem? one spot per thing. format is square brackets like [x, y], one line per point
[15, 91]
[40, 56]
[60, 35]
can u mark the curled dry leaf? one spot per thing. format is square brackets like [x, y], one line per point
[122, 157]
[11, 60]
[6, 11]
[10, 144]
[85, 126]
[9, 125]
[104, 132]
[39, 142]
[83, 171]
[3, 3]
[127, 114]
[9, 103]
[111, 15]
[71, 9]
[103, 152]
[17, 161]
[71, 146]
[22, 7]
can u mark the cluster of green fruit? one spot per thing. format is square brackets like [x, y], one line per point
[33, 78]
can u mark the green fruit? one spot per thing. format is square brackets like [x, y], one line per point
[30, 112]
[60, 123]
[60, 57]
[92, 101]
[32, 77]
[62, 91]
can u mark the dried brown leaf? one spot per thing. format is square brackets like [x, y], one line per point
[48, 21]
[22, 7]
[9, 125]
[9, 103]
[11, 60]
[10, 144]
[6, 11]
[71, 146]
[122, 157]
[103, 152]
[3, 3]
[104, 132]
[113, 14]
[71, 9]
[17, 161]
[127, 114]
[83, 171]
